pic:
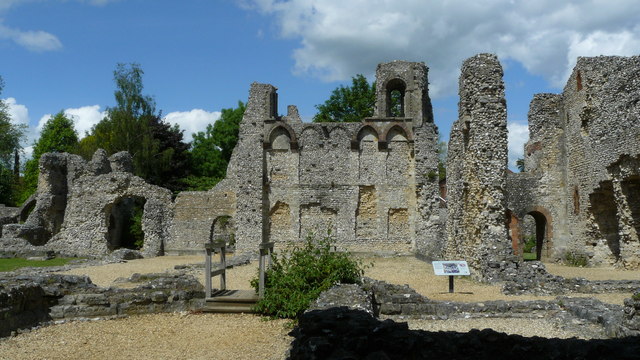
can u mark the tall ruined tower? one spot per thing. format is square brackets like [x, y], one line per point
[402, 95]
[476, 168]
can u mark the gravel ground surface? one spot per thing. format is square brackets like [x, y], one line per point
[213, 336]
[160, 336]
[419, 275]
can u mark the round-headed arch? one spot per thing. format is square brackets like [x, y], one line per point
[364, 132]
[280, 128]
[393, 129]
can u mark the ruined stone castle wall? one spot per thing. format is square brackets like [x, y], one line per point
[370, 185]
[476, 168]
[601, 109]
[81, 207]
[540, 192]
[582, 162]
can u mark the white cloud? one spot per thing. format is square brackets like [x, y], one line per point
[192, 121]
[34, 40]
[18, 112]
[339, 39]
[518, 136]
[20, 115]
[38, 41]
[85, 117]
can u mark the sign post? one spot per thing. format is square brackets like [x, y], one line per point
[450, 268]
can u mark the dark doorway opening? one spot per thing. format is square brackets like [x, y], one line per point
[125, 223]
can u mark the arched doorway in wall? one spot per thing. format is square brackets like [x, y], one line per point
[536, 228]
[531, 234]
[124, 223]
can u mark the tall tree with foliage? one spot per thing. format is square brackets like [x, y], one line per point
[157, 148]
[10, 136]
[348, 104]
[211, 149]
[57, 135]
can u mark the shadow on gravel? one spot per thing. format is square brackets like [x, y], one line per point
[340, 333]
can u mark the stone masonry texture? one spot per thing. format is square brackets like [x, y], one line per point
[373, 185]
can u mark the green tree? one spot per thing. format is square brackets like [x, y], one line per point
[57, 135]
[520, 164]
[211, 149]
[349, 104]
[159, 153]
[126, 126]
[225, 130]
[10, 136]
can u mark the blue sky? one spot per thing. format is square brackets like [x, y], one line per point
[200, 56]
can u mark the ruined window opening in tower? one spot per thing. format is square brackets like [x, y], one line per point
[395, 98]
[579, 81]
[576, 201]
[465, 131]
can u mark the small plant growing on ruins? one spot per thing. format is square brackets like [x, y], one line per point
[529, 244]
[135, 228]
[432, 175]
[636, 296]
[572, 258]
[298, 276]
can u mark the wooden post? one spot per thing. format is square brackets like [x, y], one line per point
[207, 271]
[265, 252]
[261, 283]
[223, 264]
[451, 284]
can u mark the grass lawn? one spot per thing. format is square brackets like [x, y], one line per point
[15, 263]
[528, 256]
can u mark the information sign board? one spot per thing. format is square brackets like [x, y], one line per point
[450, 268]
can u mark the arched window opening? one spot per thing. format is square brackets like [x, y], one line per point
[223, 229]
[395, 98]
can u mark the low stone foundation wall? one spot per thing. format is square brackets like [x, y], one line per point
[400, 302]
[22, 306]
[343, 333]
[29, 300]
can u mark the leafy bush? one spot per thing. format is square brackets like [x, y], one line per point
[297, 276]
[530, 243]
[572, 258]
[135, 228]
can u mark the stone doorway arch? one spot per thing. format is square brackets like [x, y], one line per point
[543, 231]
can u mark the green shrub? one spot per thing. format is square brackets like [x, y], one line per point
[529, 244]
[297, 276]
[572, 258]
[135, 228]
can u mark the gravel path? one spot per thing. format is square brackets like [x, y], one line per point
[213, 336]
